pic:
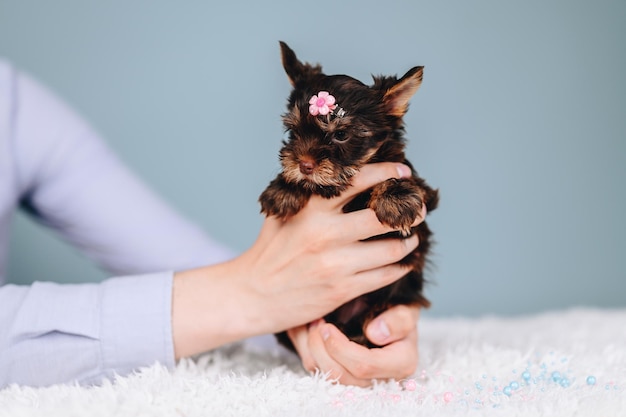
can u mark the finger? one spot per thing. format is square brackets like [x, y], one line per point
[363, 224]
[369, 176]
[396, 360]
[325, 364]
[421, 217]
[393, 324]
[363, 256]
[374, 279]
[299, 339]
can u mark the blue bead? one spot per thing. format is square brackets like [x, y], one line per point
[514, 385]
[556, 376]
[526, 375]
[507, 391]
[591, 380]
[564, 382]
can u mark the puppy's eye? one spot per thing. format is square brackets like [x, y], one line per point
[340, 136]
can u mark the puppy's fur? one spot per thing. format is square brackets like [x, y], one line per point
[323, 153]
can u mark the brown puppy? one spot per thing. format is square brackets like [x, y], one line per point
[336, 124]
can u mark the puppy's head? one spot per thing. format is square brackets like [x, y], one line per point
[360, 124]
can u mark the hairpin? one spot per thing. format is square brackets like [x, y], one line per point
[324, 104]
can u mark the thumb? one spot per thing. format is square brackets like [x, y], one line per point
[392, 325]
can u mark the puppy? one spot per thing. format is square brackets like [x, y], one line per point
[336, 125]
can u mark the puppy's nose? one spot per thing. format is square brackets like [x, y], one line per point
[307, 166]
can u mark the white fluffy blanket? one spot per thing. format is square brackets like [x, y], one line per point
[567, 363]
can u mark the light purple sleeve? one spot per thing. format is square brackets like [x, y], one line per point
[61, 172]
[71, 181]
[54, 333]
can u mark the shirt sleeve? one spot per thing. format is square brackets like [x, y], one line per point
[70, 181]
[82, 333]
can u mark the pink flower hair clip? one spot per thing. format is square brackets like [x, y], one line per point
[324, 104]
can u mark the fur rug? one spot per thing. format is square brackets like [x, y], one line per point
[565, 363]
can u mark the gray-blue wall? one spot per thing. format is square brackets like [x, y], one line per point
[521, 122]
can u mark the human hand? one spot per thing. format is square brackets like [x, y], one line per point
[322, 347]
[316, 260]
[298, 270]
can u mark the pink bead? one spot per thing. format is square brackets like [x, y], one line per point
[410, 385]
[447, 396]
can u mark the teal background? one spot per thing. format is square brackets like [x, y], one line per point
[521, 123]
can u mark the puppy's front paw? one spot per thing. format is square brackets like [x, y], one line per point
[281, 200]
[397, 203]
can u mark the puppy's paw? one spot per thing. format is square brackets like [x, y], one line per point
[281, 200]
[397, 203]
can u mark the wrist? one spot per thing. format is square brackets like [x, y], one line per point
[210, 308]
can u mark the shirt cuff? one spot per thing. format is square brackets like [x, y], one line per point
[136, 322]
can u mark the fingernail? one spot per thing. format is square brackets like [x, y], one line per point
[325, 333]
[409, 241]
[403, 170]
[314, 323]
[381, 331]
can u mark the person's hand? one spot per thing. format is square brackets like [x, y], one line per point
[322, 347]
[298, 270]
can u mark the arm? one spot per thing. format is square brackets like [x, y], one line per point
[70, 181]
[51, 333]
[65, 176]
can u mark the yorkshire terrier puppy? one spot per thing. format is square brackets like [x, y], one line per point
[336, 124]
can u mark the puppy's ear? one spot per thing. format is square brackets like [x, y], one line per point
[296, 70]
[398, 95]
